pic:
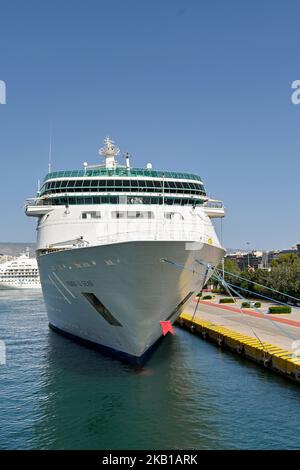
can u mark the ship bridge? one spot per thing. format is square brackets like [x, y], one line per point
[112, 183]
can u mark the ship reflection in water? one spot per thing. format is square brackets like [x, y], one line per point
[57, 394]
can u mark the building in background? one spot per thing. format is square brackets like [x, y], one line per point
[252, 260]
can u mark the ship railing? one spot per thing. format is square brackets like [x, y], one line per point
[154, 235]
[214, 208]
[31, 202]
[34, 201]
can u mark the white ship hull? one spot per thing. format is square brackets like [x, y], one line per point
[130, 282]
[102, 234]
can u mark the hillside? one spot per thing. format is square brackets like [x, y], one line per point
[14, 249]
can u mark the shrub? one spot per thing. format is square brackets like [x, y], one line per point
[216, 291]
[251, 304]
[207, 297]
[280, 309]
[226, 300]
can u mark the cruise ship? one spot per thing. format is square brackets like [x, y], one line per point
[121, 249]
[20, 273]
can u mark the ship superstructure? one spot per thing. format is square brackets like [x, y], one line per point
[20, 273]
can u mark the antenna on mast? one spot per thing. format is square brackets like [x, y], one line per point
[109, 152]
[50, 151]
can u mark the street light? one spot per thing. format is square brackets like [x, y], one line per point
[248, 245]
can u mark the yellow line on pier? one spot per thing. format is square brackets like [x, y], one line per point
[261, 352]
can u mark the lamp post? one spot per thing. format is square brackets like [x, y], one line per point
[248, 245]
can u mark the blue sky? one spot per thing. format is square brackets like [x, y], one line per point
[196, 85]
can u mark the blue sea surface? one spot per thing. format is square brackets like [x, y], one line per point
[56, 394]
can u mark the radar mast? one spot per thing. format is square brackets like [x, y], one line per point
[109, 152]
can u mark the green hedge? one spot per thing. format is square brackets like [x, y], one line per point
[226, 300]
[280, 309]
[207, 297]
[249, 305]
[216, 291]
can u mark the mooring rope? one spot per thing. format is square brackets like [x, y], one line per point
[266, 316]
[261, 295]
[242, 313]
[260, 285]
[232, 286]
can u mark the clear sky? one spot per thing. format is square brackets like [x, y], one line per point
[197, 85]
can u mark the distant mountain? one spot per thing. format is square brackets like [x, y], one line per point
[233, 250]
[14, 249]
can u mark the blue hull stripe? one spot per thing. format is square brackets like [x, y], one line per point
[107, 351]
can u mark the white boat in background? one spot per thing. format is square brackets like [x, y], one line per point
[121, 249]
[20, 273]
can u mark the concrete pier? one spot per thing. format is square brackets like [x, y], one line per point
[269, 340]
